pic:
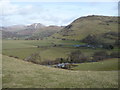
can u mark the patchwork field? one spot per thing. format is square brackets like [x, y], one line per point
[18, 73]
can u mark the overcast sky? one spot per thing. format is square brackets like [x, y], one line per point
[52, 13]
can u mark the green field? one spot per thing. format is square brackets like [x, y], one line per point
[24, 48]
[21, 74]
[106, 65]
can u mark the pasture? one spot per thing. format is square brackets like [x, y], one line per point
[24, 48]
[47, 51]
[106, 65]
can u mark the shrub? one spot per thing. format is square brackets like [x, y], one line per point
[35, 58]
[61, 60]
[108, 46]
[47, 62]
[63, 39]
[100, 55]
[10, 56]
[38, 46]
[114, 55]
[16, 57]
[52, 62]
[77, 57]
[68, 27]
[93, 40]
[117, 42]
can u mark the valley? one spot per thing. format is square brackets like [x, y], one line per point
[89, 46]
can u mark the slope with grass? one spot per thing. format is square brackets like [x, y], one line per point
[21, 74]
[90, 25]
[0, 69]
[106, 65]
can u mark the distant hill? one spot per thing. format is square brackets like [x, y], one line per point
[7, 34]
[82, 27]
[14, 28]
[32, 31]
[46, 31]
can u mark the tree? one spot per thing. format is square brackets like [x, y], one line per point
[93, 40]
[117, 42]
[77, 57]
[107, 46]
[115, 55]
[100, 55]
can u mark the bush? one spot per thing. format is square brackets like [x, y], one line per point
[77, 57]
[35, 58]
[52, 62]
[108, 46]
[47, 62]
[11, 56]
[16, 57]
[38, 46]
[93, 40]
[117, 42]
[114, 55]
[61, 60]
[63, 39]
[97, 56]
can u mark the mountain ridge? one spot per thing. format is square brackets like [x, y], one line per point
[29, 30]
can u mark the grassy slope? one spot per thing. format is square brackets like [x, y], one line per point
[19, 74]
[110, 64]
[82, 27]
[0, 68]
[0, 62]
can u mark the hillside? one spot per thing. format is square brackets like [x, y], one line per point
[20, 74]
[80, 28]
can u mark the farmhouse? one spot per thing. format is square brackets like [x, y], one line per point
[63, 65]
